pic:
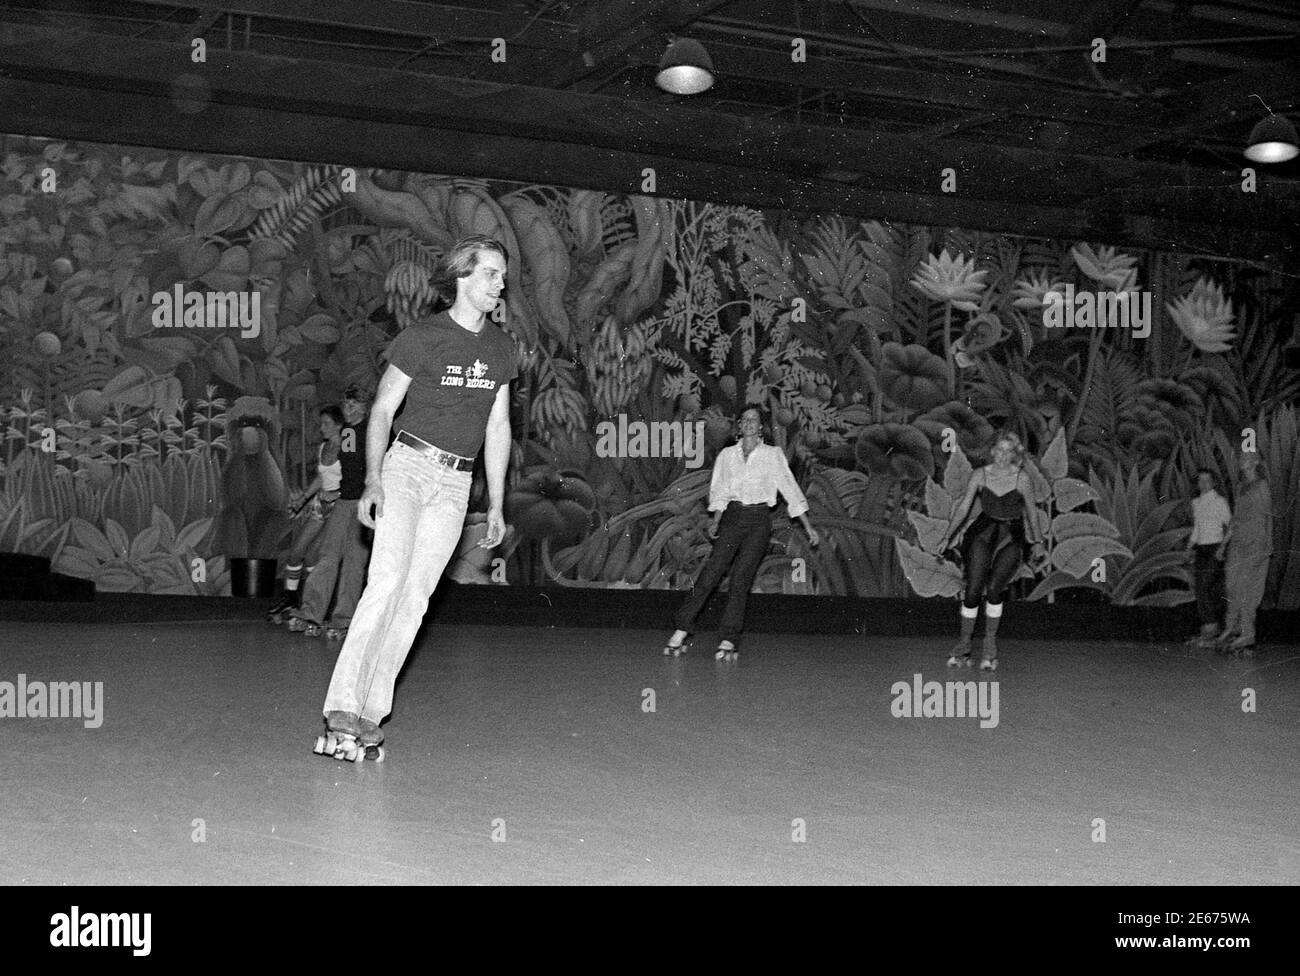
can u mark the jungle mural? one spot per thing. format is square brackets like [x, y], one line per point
[146, 445]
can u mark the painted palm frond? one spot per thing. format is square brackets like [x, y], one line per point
[305, 201]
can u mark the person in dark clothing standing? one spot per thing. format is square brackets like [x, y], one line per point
[1249, 542]
[996, 544]
[746, 479]
[344, 543]
[1211, 516]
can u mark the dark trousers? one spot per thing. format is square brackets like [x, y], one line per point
[1208, 574]
[993, 552]
[743, 535]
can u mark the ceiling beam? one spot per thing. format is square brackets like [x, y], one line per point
[42, 108]
[1204, 107]
[898, 162]
[441, 21]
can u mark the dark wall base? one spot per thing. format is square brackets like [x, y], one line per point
[543, 607]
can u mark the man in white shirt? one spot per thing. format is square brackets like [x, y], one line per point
[1210, 519]
[746, 479]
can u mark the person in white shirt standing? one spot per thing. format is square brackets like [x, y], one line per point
[746, 479]
[1211, 517]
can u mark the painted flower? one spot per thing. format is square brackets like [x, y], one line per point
[912, 377]
[894, 451]
[1030, 292]
[948, 279]
[551, 505]
[973, 432]
[983, 332]
[1106, 266]
[1205, 317]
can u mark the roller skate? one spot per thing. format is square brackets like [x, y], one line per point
[989, 660]
[298, 625]
[370, 738]
[340, 739]
[312, 629]
[1206, 639]
[725, 653]
[676, 650]
[960, 657]
[279, 613]
[335, 633]
[1241, 647]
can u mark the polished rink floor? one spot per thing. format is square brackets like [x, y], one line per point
[202, 771]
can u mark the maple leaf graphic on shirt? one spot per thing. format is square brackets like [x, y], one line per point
[477, 370]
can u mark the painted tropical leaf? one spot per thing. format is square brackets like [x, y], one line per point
[928, 575]
[938, 502]
[956, 474]
[1075, 556]
[1071, 493]
[929, 531]
[1055, 463]
[1071, 525]
[116, 579]
[78, 562]
[1060, 581]
[1138, 576]
[1165, 598]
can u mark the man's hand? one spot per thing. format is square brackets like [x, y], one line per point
[496, 529]
[814, 539]
[713, 527]
[373, 495]
[1221, 552]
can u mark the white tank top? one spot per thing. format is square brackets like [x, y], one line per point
[331, 475]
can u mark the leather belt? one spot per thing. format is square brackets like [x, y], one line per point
[436, 454]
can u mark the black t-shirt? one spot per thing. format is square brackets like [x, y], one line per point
[455, 375]
[353, 483]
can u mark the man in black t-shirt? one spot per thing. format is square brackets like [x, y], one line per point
[453, 370]
[344, 543]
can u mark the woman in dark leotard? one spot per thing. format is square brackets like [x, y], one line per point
[995, 545]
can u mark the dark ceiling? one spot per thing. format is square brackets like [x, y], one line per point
[1142, 148]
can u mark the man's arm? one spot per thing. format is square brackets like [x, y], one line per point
[392, 391]
[496, 458]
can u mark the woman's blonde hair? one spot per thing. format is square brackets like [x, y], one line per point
[1012, 438]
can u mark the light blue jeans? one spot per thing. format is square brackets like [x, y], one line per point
[424, 514]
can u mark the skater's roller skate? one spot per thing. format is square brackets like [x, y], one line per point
[370, 738]
[676, 650]
[1206, 639]
[312, 629]
[340, 740]
[335, 633]
[960, 656]
[989, 660]
[728, 654]
[298, 625]
[279, 613]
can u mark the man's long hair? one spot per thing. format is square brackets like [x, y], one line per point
[459, 261]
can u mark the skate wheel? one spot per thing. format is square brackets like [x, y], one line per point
[320, 745]
[375, 753]
[720, 656]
